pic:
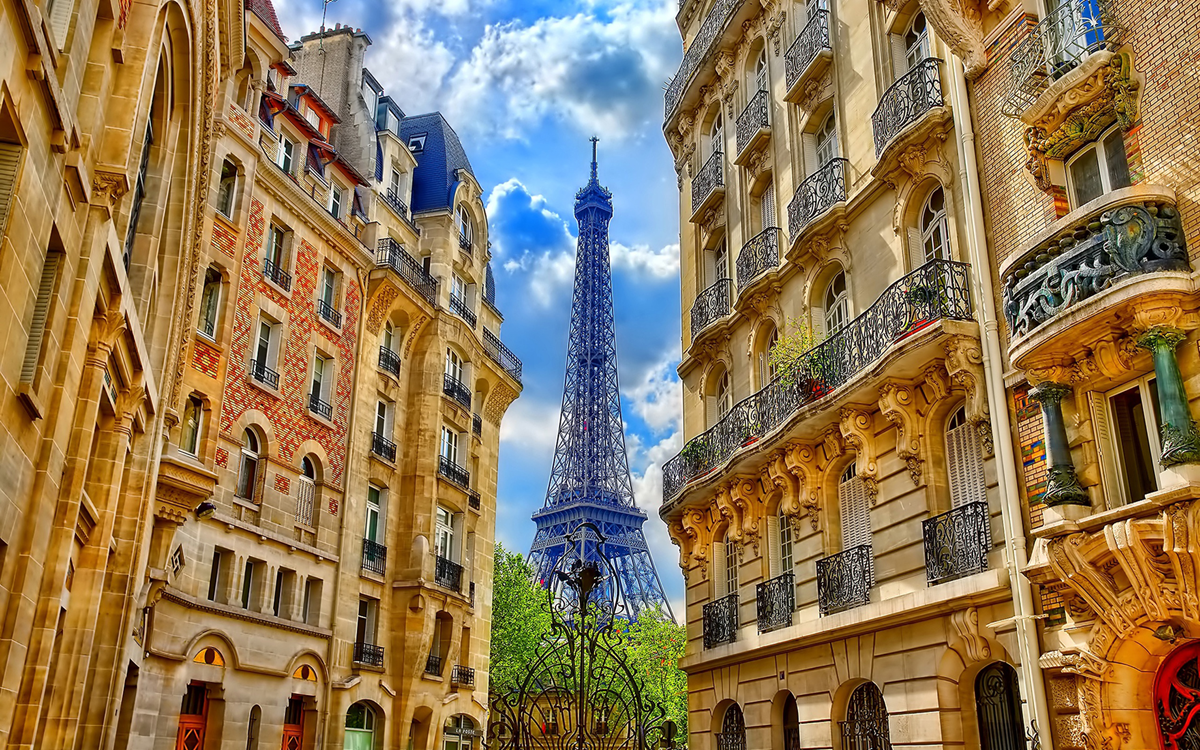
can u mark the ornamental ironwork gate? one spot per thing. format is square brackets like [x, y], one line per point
[999, 708]
[866, 725]
[1177, 698]
[579, 692]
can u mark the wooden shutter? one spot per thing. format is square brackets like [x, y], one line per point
[41, 311]
[718, 570]
[809, 142]
[818, 324]
[774, 558]
[899, 55]
[260, 479]
[768, 206]
[10, 161]
[964, 461]
[1114, 491]
[856, 518]
[916, 249]
[60, 20]
[710, 410]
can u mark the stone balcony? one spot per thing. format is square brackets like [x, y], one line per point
[758, 259]
[909, 112]
[808, 57]
[708, 186]
[816, 199]
[711, 306]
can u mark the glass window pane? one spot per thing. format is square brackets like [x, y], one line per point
[1133, 444]
[1085, 177]
[1118, 165]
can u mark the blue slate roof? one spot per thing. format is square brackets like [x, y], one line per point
[433, 179]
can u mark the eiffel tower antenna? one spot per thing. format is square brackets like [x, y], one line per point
[589, 479]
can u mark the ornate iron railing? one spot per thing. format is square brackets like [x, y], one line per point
[759, 255]
[368, 653]
[711, 305]
[459, 307]
[808, 44]
[755, 117]
[501, 355]
[433, 665]
[277, 275]
[457, 390]
[710, 177]
[263, 374]
[447, 573]
[389, 361]
[957, 543]
[912, 95]
[1113, 242]
[329, 313]
[703, 45]
[817, 194]
[464, 243]
[1067, 35]
[453, 472]
[374, 557]
[721, 621]
[390, 254]
[396, 203]
[383, 447]
[476, 424]
[731, 740]
[462, 675]
[320, 407]
[473, 499]
[844, 580]
[936, 291]
[776, 599]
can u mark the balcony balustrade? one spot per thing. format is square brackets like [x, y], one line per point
[433, 665]
[477, 424]
[263, 374]
[374, 557]
[776, 599]
[708, 181]
[447, 574]
[721, 621]
[383, 447]
[455, 473]
[759, 255]
[316, 405]
[936, 291]
[819, 192]
[500, 354]
[711, 305]
[390, 254]
[457, 390]
[810, 43]
[329, 313]
[703, 45]
[754, 123]
[462, 676]
[911, 96]
[393, 201]
[389, 361]
[844, 580]
[459, 307]
[368, 653]
[957, 543]
[473, 499]
[277, 275]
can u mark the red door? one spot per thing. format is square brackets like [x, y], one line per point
[293, 724]
[192, 718]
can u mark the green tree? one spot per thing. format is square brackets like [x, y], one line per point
[520, 620]
[655, 646]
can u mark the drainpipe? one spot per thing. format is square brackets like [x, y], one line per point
[1028, 643]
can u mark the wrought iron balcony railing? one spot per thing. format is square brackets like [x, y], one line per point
[383, 447]
[776, 600]
[374, 557]
[464, 243]
[819, 192]
[457, 390]
[957, 543]
[844, 580]
[329, 313]
[459, 307]
[433, 665]
[711, 305]
[476, 424]
[710, 177]
[759, 255]
[390, 254]
[389, 361]
[447, 573]
[755, 117]
[462, 675]
[1068, 34]
[501, 355]
[473, 499]
[277, 275]
[721, 621]
[368, 653]
[321, 408]
[396, 203]
[455, 473]
[808, 44]
[912, 95]
[936, 291]
[703, 45]
[263, 374]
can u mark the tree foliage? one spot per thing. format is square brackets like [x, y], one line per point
[656, 644]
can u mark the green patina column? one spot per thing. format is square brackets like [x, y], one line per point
[1180, 441]
[1062, 486]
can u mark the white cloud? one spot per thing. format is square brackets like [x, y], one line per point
[548, 274]
[533, 425]
[658, 398]
[647, 489]
[409, 45]
[640, 259]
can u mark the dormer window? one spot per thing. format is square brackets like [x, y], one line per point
[313, 118]
[416, 143]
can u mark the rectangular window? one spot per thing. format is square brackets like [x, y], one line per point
[217, 575]
[731, 566]
[450, 445]
[210, 299]
[1099, 168]
[444, 534]
[266, 353]
[276, 246]
[458, 288]
[225, 190]
[1125, 422]
[41, 315]
[329, 286]
[287, 155]
[277, 600]
[251, 583]
[373, 522]
[335, 202]
[322, 380]
[368, 610]
[383, 418]
[785, 544]
[311, 610]
[394, 187]
[416, 143]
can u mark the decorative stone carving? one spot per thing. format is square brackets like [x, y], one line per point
[801, 461]
[498, 402]
[964, 365]
[745, 495]
[959, 23]
[1095, 586]
[110, 185]
[692, 524]
[859, 433]
[937, 381]
[730, 513]
[966, 624]
[898, 406]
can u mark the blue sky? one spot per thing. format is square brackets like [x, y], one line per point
[525, 84]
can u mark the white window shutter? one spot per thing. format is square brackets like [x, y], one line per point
[10, 160]
[718, 570]
[818, 324]
[809, 141]
[768, 206]
[60, 20]
[964, 463]
[710, 409]
[41, 311]
[916, 249]
[899, 55]
[1114, 491]
[773, 558]
[856, 519]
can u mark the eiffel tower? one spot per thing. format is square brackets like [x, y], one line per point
[589, 480]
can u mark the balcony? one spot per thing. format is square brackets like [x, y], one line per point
[464, 243]
[383, 447]
[808, 56]
[710, 306]
[389, 361]
[368, 654]
[844, 580]
[477, 425]
[455, 389]
[374, 557]
[758, 256]
[707, 38]
[906, 102]
[462, 676]
[708, 185]
[447, 574]
[455, 473]
[473, 499]
[1094, 266]
[390, 254]
[820, 192]
[753, 126]
[263, 374]
[433, 665]
[721, 621]
[957, 543]
[277, 275]
[936, 291]
[329, 313]
[392, 200]
[1064, 39]
[500, 354]
[322, 409]
[459, 307]
[776, 601]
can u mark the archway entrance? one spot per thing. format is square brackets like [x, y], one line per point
[360, 728]
[791, 724]
[733, 730]
[1177, 699]
[998, 706]
[866, 725]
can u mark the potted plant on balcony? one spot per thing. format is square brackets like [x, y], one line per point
[799, 360]
[693, 455]
[925, 299]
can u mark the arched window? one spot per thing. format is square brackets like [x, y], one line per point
[733, 730]
[720, 262]
[836, 304]
[360, 728]
[964, 461]
[306, 492]
[791, 724]
[227, 189]
[459, 733]
[253, 728]
[760, 72]
[916, 41]
[935, 232]
[722, 398]
[463, 220]
[766, 370]
[855, 509]
[716, 137]
[193, 415]
[250, 470]
[998, 707]
[866, 725]
[827, 142]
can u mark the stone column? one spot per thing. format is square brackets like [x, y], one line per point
[1062, 486]
[1177, 430]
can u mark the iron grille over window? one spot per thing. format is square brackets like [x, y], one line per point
[711, 305]
[321, 408]
[460, 675]
[710, 177]
[759, 255]
[776, 601]
[844, 580]
[957, 543]
[720, 621]
[473, 499]
[263, 374]
[819, 192]
[389, 361]
[477, 424]
[374, 557]
[329, 313]
[808, 44]
[459, 307]
[454, 472]
[866, 724]
[733, 730]
[433, 665]
[368, 653]
[390, 254]
[457, 390]
[912, 95]
[501, 355]
[277, 275]
[464, 243]
[383, 447]
[447, 573]
[755, 117]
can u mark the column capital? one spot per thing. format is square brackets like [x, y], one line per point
[1049, 393]
[1161, 337]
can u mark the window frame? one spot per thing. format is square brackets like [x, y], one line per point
[1114, 474]
[194, 406]
[940, 224]
[450, 445]
[1102, 163]
[227, 196]
[840, 305]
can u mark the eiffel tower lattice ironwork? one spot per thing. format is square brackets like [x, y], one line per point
[589, 479]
